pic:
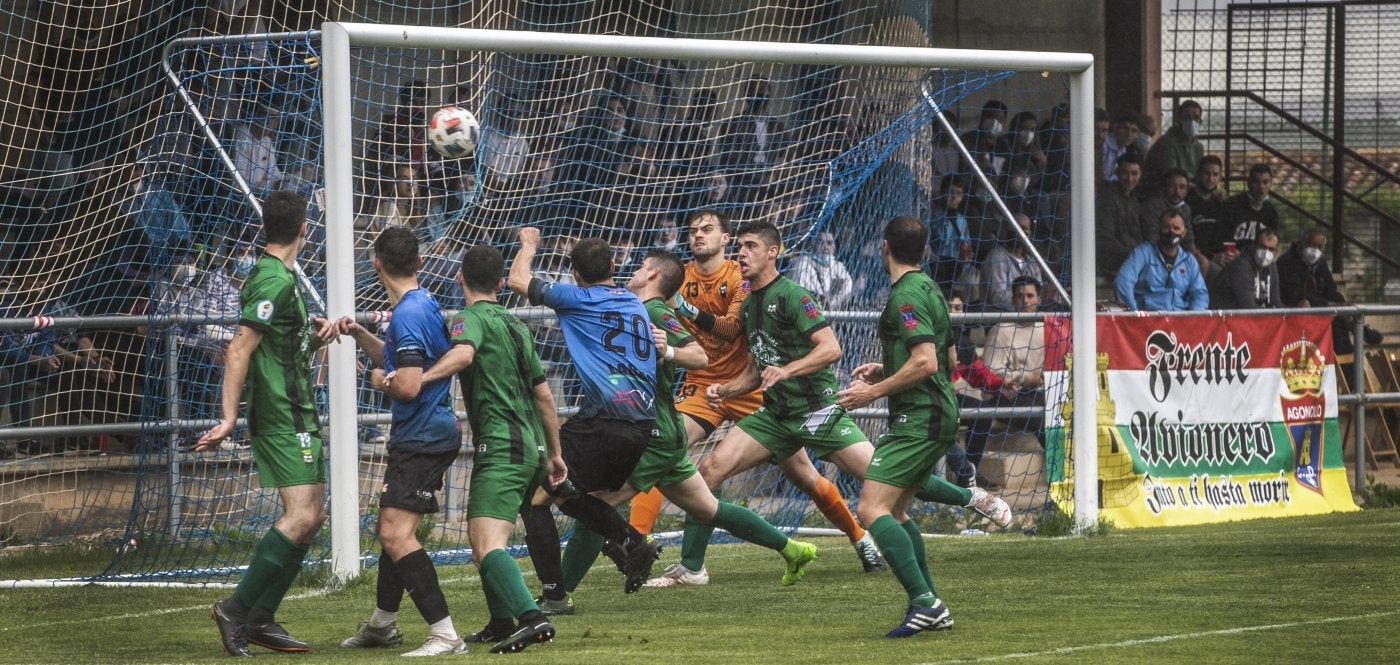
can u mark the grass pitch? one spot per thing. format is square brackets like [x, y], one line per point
[1313, 589]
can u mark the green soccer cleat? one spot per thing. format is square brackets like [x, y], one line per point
[798, 555]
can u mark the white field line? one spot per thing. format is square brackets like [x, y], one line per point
[1169, 638]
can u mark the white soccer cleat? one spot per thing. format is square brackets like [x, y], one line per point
[438, 645]
[678, 575]
[990, 506]
[870, 559]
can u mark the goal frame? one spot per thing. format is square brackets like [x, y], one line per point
[337, 40]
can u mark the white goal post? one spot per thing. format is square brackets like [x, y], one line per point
[338, 38]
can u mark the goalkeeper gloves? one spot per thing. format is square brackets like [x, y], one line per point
[684, 308]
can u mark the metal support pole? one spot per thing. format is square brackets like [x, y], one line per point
[1358, 385]
[172, 399]
[1339, 132]
[1083, 323]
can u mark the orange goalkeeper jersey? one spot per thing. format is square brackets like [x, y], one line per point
[718, 296]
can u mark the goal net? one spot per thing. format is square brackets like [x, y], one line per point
[580, 143]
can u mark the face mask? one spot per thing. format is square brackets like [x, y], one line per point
[1018, 185]
[1312, 255]
[243, 265]
[822, 259]
[1168, 239]
[1192, 129]
[1026, 137]
[1179, 204]
[185, 273]
[1263, 257]
[992, 125]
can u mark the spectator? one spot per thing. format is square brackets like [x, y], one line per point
[946, 159]
[255, 151]
[1171, 194]
[1009, 261]
[1025, 157]
[823, 274]
[1178, 148]
[1207, 202]
[1161, 277]
[686, 154]
[952, 245]
[1015, 355]
[1305, 280]
[197, 290]
[748, 146]
[403, 132]
[983, 141]
[1147, 134]
[1249, 211]
[1119, 216]
[1054, 137]
[1250, 281]
[972, 382]
[1119, 143]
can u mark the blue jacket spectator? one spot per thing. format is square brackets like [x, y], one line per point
[1159, 276]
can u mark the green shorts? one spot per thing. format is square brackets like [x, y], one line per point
[823, 432]
[662, 465]
[905, 459]
[499, 491]
[287, 460]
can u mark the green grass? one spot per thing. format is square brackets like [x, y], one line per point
[1312, 589]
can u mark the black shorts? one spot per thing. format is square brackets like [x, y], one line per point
[412, 478]
[600, 453]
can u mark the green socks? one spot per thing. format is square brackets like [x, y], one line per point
[579, 555]
[894, 543]
[938, 490]
[745, 524]
[501, 575]
[694, 543]
[916, 540]
[267, 578]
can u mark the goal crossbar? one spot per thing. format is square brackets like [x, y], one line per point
[337, 39]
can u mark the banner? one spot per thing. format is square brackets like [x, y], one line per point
[1203, 419]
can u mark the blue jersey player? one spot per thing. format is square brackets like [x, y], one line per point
[608, 335]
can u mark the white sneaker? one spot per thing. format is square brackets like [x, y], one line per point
[367, 636]
[438, 645]
[990, 506]
[870, 559]
[678, 575]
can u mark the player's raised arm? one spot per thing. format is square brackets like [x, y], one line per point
[522, 267]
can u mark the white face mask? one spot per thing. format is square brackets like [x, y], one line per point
[1018, 185]
[185, 273]
[1312, 255]
[1263, 257]
[992, 125]
[1192, 129]
[1026, 137]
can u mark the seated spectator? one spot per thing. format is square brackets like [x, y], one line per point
[1121, 141]
[1207, 202]
[1147, 134]
[1178, 148]
[1250, 281]
[1015, 356]
[951, 242]
[1118, 217]
[750, 145]
[1025, 157]
[402, 135]
[1171, 194]
[823, 274]
[1009, 261]
[255, 151]
[1305, 279]
[1160, 276]
[983, 142]
[946, 159]
[972, 382]
[199, 289]
[1250, 210]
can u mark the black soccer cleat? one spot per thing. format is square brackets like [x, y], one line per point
[272, 635]
[231, 635]
[640, 556]
[537, 631]
[493, 632]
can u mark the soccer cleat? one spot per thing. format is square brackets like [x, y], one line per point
[231, 634]
[990, 506]
[272, 635]
[640, 556]
[678, 575]
[438, 645]
[550, 607]
[798, 555]
[919, 619]
[870, 558]
[493, 632]
[367, 636]
[531, 632]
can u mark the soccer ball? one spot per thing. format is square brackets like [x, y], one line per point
[453, 132]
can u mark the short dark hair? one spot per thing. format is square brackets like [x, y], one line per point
[993, 106]
[1210, 159]
[1025, 280]
[284, 211]
[1261, 167]
[591, 258]
[1176, 172]
[1128, 116]
[482, 267]
[906, 237]
[1129, 157]
[764, 230]
[722, 218]
[397, 251]
[1188, 104]
[672, 272]
[951, 180]
[1313, 232]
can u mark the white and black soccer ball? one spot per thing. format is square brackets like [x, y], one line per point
[453, 132]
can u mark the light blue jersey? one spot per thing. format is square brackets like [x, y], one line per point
[418, 338]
